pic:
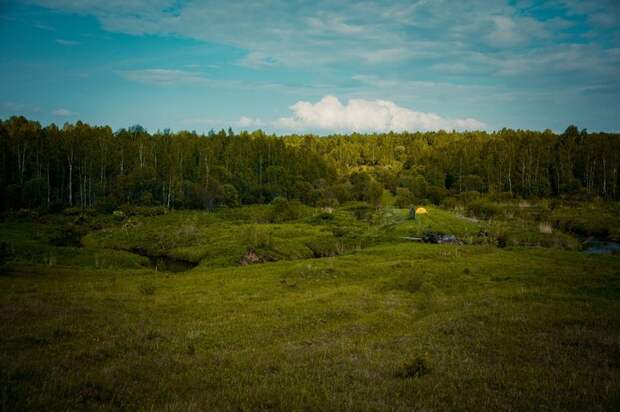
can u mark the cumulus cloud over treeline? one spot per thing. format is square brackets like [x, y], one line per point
[359, 115]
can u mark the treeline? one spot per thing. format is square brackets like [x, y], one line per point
[89, 166]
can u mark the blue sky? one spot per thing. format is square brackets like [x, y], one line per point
[313, 66]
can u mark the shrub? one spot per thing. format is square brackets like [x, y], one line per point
[283, 210]
[6, 253]
[468, 197]
[130, 210]
[325, 247]
[449, 202]
[146, 199]
[231, 195]
[482, 209]
[68, 235]
[436, 194]
[328, 202]
[404, 198]
[72, 211]
[119, 215]
[501, 196]
[257, 236]
[415, 369]
[106, 205]
[362, 212]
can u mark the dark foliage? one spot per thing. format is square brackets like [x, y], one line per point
[82, 166]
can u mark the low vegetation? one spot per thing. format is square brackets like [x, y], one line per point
[339, 309]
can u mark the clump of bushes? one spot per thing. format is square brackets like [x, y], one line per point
[131, 210]
[283, 210]
[6, 253]
[449, 203]
[72, 211]
[326, 247]
[68, 235]
[482, 209]
[106, 205]
[415, 369]
[257, 237]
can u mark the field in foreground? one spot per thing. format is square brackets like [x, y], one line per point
[341, 315]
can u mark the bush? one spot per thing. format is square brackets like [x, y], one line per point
[328, 202]
[106, 205]
[362, 212]
[130, 210]
[146, 199]
[468, 197]
[415, 369]
[119, 215]
[257, 237]
[404, 198]
[501, 196]
[26, 214]
[326, 247]
[482, 209]
[72, 211]
[231, 195]
[283, 210]
[449, 202]
[6, 253]
[436, 194]
[68, 235]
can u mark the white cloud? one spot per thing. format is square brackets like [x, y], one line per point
[245, 122]
[360, 115]
[334, 24]
[64, 42]
[61, 112]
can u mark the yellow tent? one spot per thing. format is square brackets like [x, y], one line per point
[420, 211]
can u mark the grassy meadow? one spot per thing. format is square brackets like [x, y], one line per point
[321, 310]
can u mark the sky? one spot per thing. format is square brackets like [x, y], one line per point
[292, 66]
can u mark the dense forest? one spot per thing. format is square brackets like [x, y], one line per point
[86, 166]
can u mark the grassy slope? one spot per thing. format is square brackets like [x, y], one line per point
[518, 329]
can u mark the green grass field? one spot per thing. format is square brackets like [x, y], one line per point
[342, 314]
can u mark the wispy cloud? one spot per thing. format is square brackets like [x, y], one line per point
[45, 27]
[168, 77]
[64, 42]
[164, 76]
[369, 32]
[62, 112]
[243, 123]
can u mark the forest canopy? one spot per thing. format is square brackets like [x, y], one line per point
[85, 166]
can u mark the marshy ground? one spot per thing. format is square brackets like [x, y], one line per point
[340, 313]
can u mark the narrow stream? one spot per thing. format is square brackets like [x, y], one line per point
[166, 263]
[601, 247]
